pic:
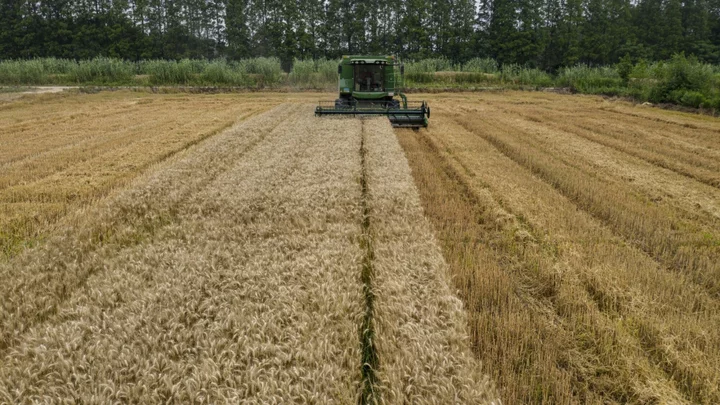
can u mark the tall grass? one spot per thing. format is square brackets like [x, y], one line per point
[592, 80]
[222, 72]
[430, 66]
[684, 81]
[481, 65]
[680, 80]
[316, 74]
[98, 70]
[423, 71]
[261, 72]
[516, 74]
[265, 71]
[169, 72]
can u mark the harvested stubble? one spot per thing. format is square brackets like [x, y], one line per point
[60, 152]
[565, 264]
[231, 273]
[235, 271]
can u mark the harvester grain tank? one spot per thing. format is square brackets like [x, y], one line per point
[372, 85]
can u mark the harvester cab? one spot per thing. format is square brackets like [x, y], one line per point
[372, 85]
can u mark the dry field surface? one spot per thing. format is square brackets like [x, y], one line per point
[285, 259]
[583, 236]
[235, 248]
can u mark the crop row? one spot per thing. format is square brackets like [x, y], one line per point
[238, 271]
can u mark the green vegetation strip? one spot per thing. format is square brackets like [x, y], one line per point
[680, 80]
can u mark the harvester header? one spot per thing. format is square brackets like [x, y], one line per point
[373, 85]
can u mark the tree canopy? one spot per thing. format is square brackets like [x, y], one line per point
[546, 34]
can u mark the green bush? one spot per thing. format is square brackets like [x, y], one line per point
[625, 68]
[693, 99]
[680, 80]
[640, 70]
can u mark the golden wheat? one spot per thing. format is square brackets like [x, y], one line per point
[421, 337]
[234, 271]
[61, 152]
[231, 274]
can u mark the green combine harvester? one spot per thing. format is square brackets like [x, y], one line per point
[369, 85]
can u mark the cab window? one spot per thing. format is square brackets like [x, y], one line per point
[369, 78]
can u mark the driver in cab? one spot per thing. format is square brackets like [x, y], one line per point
[367, 81]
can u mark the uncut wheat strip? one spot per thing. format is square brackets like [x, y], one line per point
[621, 279]
[91, 179]
[421, 329]
[218, 307]
[37, 281]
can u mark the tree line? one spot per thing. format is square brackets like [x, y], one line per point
[545, 34]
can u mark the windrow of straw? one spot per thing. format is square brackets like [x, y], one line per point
[421, 333]
[642, 217]
[229, 273]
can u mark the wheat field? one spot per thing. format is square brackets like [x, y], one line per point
[255, 266]
[527, 247]
[61, 152]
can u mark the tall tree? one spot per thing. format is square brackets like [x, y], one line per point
[502, 32]
[672, 39]
[10, 28]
